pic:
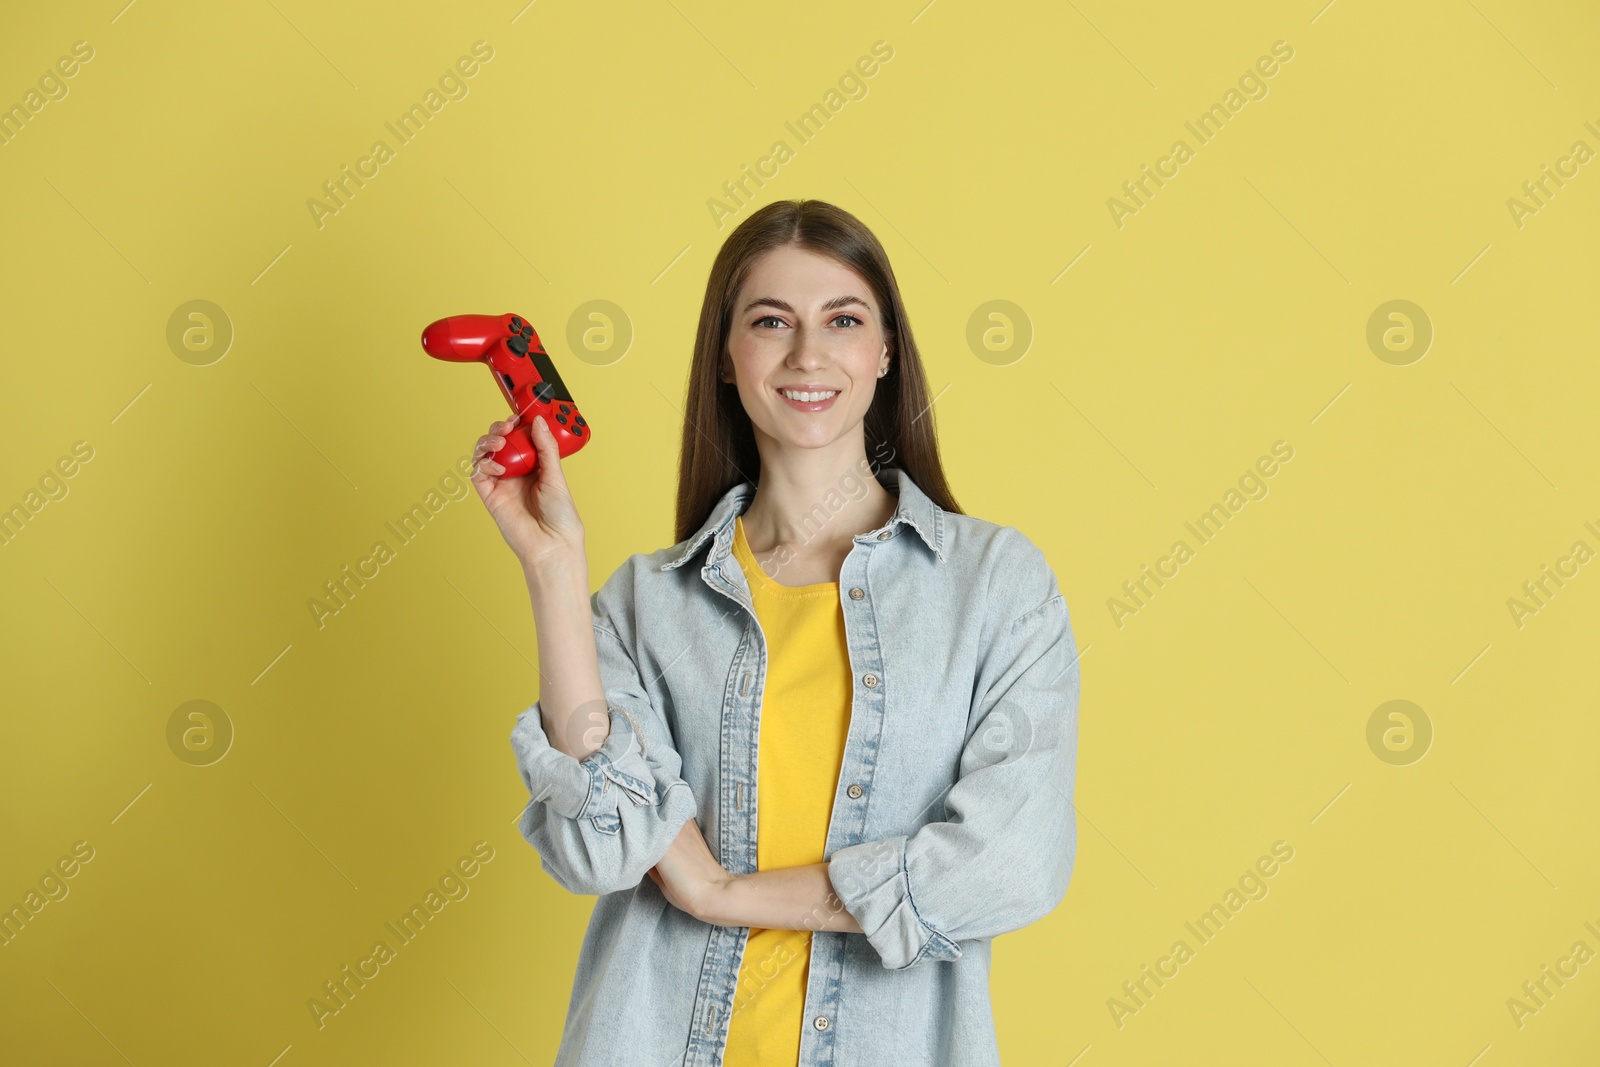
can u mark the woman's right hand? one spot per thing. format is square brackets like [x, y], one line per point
[535, 512]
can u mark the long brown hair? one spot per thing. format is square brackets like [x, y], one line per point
[719, 447]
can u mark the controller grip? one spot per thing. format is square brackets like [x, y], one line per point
[517, 455]
[461, 338]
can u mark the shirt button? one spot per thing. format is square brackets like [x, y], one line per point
[884, 536]
[854, 791]
[870, 681]
[820, 1022]
[857, 593]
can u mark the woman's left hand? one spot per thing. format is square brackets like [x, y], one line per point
[689, 875]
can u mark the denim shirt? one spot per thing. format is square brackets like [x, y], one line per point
[952, 819]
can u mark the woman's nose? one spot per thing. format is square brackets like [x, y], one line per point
[808, 350]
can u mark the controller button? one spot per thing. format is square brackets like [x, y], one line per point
[562, 419]
[516, 324]
[577, 431]
[518, 346]
[566, 409]
[527, 331]
[580, 421]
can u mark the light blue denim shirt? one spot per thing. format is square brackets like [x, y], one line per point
[952, 819]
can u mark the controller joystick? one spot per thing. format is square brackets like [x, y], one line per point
[525, 376]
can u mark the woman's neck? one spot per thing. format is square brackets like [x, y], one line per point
[814, 503]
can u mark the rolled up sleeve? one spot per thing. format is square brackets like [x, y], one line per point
[1003, 856]
[601, 822]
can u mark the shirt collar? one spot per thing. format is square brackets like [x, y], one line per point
[914, 508]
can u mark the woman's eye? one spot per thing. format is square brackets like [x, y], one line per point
[851, 320]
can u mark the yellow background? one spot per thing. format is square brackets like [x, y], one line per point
[1229, 713]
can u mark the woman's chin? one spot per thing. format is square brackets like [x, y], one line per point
[806, 441]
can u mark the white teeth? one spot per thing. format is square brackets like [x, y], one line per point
[809, 398]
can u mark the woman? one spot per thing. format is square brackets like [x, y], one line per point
[870, 708]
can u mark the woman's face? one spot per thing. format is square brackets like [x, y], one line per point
[805, 347]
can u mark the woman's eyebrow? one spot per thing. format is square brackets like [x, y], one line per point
[781, 305]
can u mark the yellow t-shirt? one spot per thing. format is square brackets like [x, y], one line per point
[805, 715]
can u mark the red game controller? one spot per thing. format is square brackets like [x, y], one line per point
[523, 370]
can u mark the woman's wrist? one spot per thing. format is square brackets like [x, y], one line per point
[718, 902]
[785, 898]
[557, 569]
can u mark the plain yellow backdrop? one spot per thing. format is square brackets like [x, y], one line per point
[1164, 356]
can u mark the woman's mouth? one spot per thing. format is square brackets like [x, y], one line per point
[809, 399]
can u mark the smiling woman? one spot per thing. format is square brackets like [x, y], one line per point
[842, 779]
[847, 333]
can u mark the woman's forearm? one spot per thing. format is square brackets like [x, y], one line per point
[785, 898]
[572, 697]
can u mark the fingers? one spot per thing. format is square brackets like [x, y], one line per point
[482, 465]
[488, 444]
[496, 437]
[544, 443]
